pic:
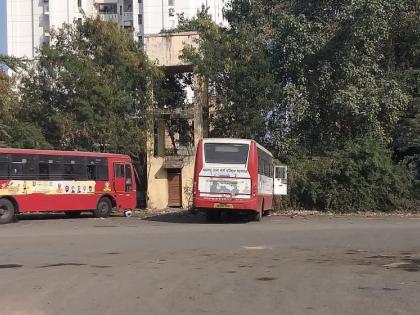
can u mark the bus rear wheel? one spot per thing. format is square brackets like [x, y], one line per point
[103, 209]
[213, 215]
[258, 216]
[7, 211]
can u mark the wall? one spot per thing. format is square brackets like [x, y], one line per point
[157, 182]
[156, 13]
[166, 48]
[66, 11]
[24, 27]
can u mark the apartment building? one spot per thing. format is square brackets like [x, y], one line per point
[25, 24]
[156, 15]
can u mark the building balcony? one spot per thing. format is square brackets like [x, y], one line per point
[46, 9]
[109, 17]
[128, 15]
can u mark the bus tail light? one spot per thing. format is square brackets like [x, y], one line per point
[195, 188]
[254, 188]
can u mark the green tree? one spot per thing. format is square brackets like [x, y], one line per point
[89, 89]
[14, 132]
[304, 75]
[359, 177]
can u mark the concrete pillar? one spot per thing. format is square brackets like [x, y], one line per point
[160, 137]
[201, 108]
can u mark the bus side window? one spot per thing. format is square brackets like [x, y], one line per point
[30, 167]
[55, 168]
[75, 168]
[4, 166]
[128, 179]
[91, 172]
[44, 171]
[97, 169]
[119, 170]
[102, 172]
[17, 167]
[4, 170]
[266, 168]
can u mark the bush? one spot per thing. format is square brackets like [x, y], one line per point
[360, 177]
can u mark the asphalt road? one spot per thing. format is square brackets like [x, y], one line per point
[178, 264]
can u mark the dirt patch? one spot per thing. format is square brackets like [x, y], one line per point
[10, 266]
[355, 251]
[100, 266]
[390, 289]
[266, 279]
[61, 265]
[381, 256]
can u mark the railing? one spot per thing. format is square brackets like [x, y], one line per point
[109, 17]
[128, 15]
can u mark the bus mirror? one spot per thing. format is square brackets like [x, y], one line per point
[281, 172]
[280, 181]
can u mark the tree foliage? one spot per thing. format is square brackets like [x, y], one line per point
[13, 131]
[306, 78]
[359, 177]
[306, 75]
[89, 89]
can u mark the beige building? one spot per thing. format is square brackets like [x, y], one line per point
[171, 154]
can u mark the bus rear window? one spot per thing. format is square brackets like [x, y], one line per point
[226, 153]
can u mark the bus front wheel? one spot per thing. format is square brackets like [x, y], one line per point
[103, 209]
[7, 211]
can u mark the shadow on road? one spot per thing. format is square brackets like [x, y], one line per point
[196, 218]
[56, 216]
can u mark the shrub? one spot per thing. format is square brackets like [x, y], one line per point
[359, 177]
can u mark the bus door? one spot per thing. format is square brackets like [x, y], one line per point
[280, 180]
[123, 179]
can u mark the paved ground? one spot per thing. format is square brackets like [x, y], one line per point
[181, 265]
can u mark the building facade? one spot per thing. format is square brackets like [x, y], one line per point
[25, 24]
[157, 15]
[171, 155]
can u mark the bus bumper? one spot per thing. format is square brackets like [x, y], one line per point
[226, 204]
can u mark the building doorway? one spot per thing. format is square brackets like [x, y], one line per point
[174, 188]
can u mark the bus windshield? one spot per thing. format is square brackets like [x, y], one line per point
[226, 153]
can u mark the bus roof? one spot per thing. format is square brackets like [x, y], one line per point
[65, 153]
[235, 140]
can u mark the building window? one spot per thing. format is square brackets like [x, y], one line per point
[140, 19]
[140, 1]
[171, 3]
[128, 5]
[79, 3]
[107, 9]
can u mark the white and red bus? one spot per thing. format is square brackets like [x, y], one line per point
[236, 175]
[70, 182]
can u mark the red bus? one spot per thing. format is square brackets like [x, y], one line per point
[71, 182]
[236, 175]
